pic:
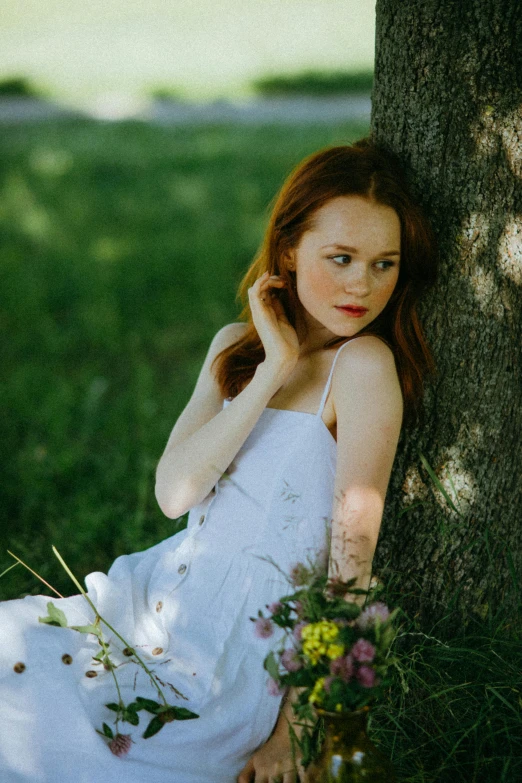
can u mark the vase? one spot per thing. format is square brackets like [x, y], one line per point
[348, 755]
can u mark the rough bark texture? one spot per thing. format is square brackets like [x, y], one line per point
[448, 99]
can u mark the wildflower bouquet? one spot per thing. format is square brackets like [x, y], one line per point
[333, 652]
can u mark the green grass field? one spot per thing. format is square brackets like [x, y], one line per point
[122, 249]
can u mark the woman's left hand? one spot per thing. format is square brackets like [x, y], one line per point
[273, 763]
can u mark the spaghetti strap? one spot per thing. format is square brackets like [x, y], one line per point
[328, 382]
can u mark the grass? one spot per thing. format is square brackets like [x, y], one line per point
[122, 249]
[318, 83]
[453, 712]
[123, 245]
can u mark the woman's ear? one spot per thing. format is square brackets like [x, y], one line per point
[289, 258]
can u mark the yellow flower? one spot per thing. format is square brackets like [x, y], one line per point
[316, 638]
[335, 651]
[338, 707]
[317, 690]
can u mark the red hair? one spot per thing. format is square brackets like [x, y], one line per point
[363, 169]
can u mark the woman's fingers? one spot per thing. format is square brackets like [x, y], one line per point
[262, 288]
[247, 773]
[279, 338]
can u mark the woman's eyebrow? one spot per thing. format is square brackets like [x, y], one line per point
[354, 250]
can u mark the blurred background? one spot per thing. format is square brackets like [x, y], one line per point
[140, 147]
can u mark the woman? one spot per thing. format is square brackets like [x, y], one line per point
[283, 454]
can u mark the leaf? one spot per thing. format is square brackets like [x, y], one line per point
[271, 666]
[154, 726]
[181, 713]
[438, 484]
[108, 732]
[347, 610]
[87, 629]
[114, 707]
[131, 716]
[148, 704]
[55, 617]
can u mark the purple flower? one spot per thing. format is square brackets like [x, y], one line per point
[363, 651]
[263, 628]
[298, 607]
[275, 607]
[327, 684]
[366, 676]
[290, 660]
[273, 688]
[342, 667]
[298, 627]
[120, 745]
[372, 613]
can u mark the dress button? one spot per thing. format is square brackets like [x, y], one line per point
[201, 519]
[159, 606]
[182, 568]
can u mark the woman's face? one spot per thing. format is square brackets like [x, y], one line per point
[350, 257]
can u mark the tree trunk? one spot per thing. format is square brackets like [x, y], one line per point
[448, 99]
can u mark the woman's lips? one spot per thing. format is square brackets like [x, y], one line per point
[354, 312]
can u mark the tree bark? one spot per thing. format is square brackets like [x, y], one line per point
[448, 99]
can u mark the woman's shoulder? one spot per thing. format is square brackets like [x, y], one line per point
[369, 361]
[228, 335]
[370, 348]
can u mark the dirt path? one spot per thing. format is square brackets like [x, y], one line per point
[298, 110]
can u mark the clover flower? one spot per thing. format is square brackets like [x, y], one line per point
[327, 684]
[363, 651]
[120, 745]
[372, 613]
[263, 628]
[275, 607]
[366, 676]
[342, 667]
[273, 687]
[298, 629]
[290, 660]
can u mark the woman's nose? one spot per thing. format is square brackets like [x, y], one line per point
[357, 281]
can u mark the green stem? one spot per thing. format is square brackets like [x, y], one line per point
[105, 649]
[8, 569]
[109, 626]
[34, 574]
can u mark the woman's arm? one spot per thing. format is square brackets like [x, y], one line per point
[369, 407]
[276, 759]
[206, 437]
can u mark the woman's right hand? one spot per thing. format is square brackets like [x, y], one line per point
[278, 336]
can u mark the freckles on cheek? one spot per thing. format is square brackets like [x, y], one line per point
[319, 286]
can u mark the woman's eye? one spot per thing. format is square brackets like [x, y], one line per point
[387, 264]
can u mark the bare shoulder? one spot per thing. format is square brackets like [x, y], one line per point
[228, 335]
[206, 400]
[366, 372]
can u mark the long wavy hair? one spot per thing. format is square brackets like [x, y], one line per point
[363, 169]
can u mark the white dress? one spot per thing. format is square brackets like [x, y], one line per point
[185, 605]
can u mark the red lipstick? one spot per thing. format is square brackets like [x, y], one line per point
[355, 312]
